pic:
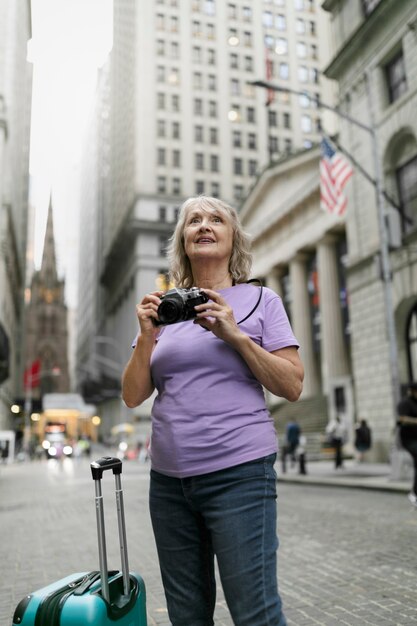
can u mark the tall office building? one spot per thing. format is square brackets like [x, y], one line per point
[183, 119]
[15, 103]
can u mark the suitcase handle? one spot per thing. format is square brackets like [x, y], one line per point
[97, 469]
[105, 463]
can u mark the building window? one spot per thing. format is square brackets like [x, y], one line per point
[272, 118]
[174, 24]
[212, 82]
[215, 190]
[267, 19]
[161, 101]
[280, 22]
[237, 139]
[396, 77]
[160, 74]
[213, 136]
[234, 61]
[252, 141]
[197, 80]
[248, 64]
[212, 108]
[209, 7]
[232, 11]
[214, 163]
[211, 33]
[198, 134]
[175, 103]
[160, 47]
[197, 55]
[281, 46]
[238, 167]
[161, 128]
[306, 123]
[161, 156]
[406, 176]
[273, 145]
[176, 158]
[162, 245]
[247, 14]
[303, 74]
[247, 39]
[300, 26]
[211, 56]
[176, 133]
[252, 167]
[238, 192]
[234, 87]
[250, 115]
[301, 50]
[287, 120]
[175, 50]
[199, 161]
[284, 71]
[198, 106]
[162, 184]
[162, 212]
[199, 187]
[176, 189]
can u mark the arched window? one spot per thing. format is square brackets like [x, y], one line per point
[411, 343]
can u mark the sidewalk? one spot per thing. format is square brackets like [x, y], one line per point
[353, 474]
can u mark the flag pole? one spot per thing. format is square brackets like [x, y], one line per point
[386, 273]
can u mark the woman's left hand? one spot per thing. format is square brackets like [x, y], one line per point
[217, 316]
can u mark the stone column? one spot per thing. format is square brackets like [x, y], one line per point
[334, 354]
[301, 323]
[273, 280]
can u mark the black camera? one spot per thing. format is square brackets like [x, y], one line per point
[178, 305]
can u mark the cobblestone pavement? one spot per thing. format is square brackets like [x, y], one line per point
[347, 556]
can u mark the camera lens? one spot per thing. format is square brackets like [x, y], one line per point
[169, 311]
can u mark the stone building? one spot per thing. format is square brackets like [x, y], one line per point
[46, 323]
[354, 364]
[15, 103]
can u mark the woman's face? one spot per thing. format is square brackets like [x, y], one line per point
[208, 234]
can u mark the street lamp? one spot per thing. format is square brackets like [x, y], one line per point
[383, 235]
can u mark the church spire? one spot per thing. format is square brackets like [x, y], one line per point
[48, 272]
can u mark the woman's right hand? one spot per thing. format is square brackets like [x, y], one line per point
[146, 312]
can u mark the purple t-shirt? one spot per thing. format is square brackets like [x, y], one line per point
[210, 411]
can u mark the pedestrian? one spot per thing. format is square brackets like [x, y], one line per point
[292, 435]
[407, 423]
[213, 443]
[301, 454]
[336, 431]
[363, 439]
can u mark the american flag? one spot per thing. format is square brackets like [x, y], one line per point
[335, 172]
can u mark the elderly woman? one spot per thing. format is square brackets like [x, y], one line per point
[213, 444]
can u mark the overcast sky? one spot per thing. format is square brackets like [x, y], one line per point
[70, 40]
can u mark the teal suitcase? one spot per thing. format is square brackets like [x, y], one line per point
[97, 598]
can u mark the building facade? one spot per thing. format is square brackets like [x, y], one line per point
[15, 103]
[182, 120]
[373, 62]
[301, 253]
[329, 270]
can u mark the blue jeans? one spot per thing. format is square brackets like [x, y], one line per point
[230, 514]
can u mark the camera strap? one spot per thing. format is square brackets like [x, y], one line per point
[253, 280]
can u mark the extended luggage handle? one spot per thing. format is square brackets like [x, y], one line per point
[97, 469]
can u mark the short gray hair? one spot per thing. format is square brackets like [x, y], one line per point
[240, 262]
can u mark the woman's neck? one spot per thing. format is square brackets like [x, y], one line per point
[203, 278]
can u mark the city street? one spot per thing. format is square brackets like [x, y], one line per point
[347, 556]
